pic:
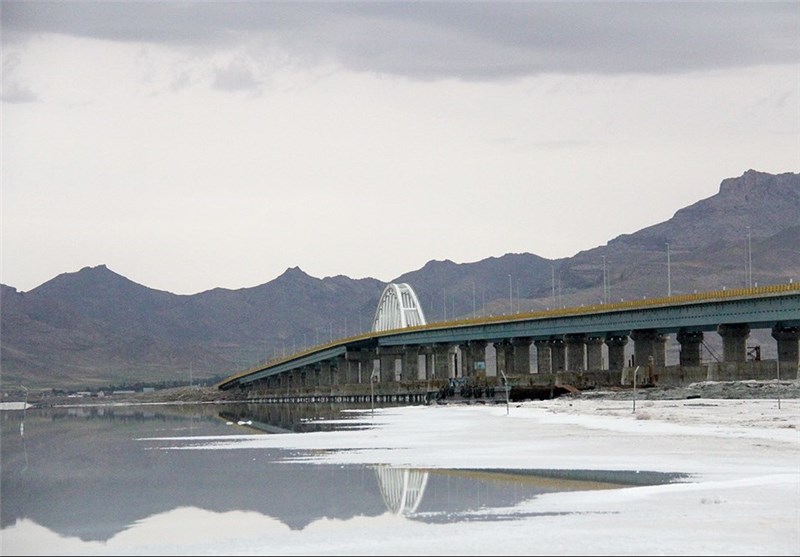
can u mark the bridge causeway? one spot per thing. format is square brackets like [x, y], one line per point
[582, 346]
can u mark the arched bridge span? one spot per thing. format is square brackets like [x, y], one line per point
[565, 339]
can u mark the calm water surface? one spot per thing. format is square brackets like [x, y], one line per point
[92, 472]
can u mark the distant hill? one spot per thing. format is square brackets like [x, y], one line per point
[94, 327]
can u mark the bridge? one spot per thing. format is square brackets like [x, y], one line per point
[582, 345]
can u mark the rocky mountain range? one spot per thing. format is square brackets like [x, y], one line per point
[94, 327]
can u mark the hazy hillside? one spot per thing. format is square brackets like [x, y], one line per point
[94, 327]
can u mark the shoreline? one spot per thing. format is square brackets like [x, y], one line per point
[744, 389]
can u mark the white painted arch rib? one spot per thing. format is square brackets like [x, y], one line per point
[402, 489]
[398, 308]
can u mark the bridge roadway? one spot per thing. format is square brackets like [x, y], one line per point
[566, 340]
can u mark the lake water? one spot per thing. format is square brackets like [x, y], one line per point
[92, 472]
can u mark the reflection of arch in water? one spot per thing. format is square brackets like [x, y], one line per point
[402, 488]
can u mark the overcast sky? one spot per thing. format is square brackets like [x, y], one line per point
[191, 145]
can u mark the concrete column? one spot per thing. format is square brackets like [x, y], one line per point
[542, 356]
[410, 369]
[734, 341]
[309, 376]
[353, 363]
[284, 379]
[522, 355]
[660, 349]
[558, 354]
[616, 351]
[690, 342]
[788, 350]
[294, 379]
[427, 351]
[339, 370]
[466, 360]
[368, 358]
[576, 352]
[647, 343]
[594, 353]
[388, 356]
[443, 356]
[501, 363]
[325, 373]
[477, 358]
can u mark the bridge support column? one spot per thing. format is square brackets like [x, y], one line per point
[325, 374]
[306, 375]
[788, 350]
[734, 341]
[410, 366]
[576, 352]
[649, 343]
[558, 354]
[690, 342]
[295, 379]
[466, 360]
[284, 381]
[443, 360]
[501, 361]
[616, 351]
[594, 353]
[427, 352]
[339, 370]
[354, 366]
[388, 356]
[477, 358]
[542, 356]
[522, 355]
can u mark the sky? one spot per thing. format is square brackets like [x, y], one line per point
[194, 145]
[741, 496]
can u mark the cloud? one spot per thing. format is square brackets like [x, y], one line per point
[13, 89]
[236, 76]
[432, 40]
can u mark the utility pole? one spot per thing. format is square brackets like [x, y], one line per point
[473, 299]
[510, 297]
[669, 277]
[749, 261]
[605, 287]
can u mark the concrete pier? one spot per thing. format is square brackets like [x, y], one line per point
[788, 339]
[543, 362]
[576, 352]
[734, 341]
[691, 344]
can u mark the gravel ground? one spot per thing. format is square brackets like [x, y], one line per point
[772, 389]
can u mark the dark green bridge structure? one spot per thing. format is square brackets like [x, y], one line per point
[579, 347]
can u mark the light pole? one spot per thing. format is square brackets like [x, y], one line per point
[553, 273]
[605, 288]
[669, 278]
[749, 261]
[473, 299]
[510, 297]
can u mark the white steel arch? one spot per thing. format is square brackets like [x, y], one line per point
[398, 308]
[402, 488]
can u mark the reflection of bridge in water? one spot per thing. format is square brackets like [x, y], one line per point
[582, 346]
[402, 488]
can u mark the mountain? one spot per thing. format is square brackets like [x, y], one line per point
[94, 327]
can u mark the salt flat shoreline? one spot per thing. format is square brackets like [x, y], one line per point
[739, 456]
[747, 389]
